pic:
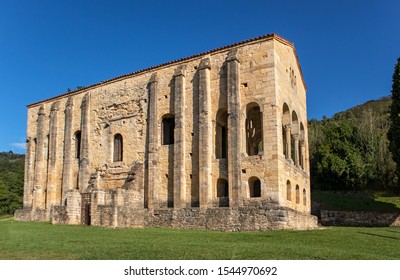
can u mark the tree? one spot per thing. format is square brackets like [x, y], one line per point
[394, 130]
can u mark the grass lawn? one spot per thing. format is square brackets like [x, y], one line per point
[34, 240]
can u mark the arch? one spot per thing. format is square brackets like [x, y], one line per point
[254, 129]
[285, 129]
[288, 190]
[294, 129]
[167, 129]
[297, 194]
[304, 197]
[118, 148]
[254, 187]
[222, 192]
[285, 114]
[221, 134]
[301, 142]
[78, 141]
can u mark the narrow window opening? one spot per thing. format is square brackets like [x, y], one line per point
[288, 191]
[222, 193]
[297, 194]
[168, 126]
[221, 134]
[254, 131]
[78, 137]
[118, 148]
[254, 187]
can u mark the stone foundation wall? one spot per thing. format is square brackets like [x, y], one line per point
[221, 219]
[28, 214]
[359, 219]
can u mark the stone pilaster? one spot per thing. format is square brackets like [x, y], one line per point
[205, 133]
[67, 184]
[234, 133]
[288, 141]
[153, 156]
[84, 175]
[296, 138]
[303, 154]
[39, 180]
[179, 137]
[28, 175]
[53, 189]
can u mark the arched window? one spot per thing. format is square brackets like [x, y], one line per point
[301, 143]
[222, 193]
[118, 148]
[78, 137]
[221, 134]
[254, 187]
[304, 197]
[288, 190]
[286, 129]
[297, 194]
[295, 133]
[254, 130]
[168, 126]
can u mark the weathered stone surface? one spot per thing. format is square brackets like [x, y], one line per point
[359, 218]
[214, 141]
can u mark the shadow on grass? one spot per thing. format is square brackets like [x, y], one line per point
[351, 201]
[379, 235]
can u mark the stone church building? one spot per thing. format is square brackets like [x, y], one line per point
[214, 141]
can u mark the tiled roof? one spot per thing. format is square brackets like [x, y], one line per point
[260, 38]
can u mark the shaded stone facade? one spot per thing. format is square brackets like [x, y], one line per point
[213, 141]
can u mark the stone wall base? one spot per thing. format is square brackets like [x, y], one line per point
[39, 215]
[359, 219]
[248, 218]
[220, 219]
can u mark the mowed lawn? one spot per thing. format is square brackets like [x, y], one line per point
[34, 240]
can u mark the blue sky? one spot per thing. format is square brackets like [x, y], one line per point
[347, 49]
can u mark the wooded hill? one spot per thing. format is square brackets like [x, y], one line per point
[350, 150]
[11, 182]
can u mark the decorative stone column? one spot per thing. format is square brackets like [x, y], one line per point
[234, 133]
[68, 157]
[39, 180]
[153, 157]
[205, 132]
[53, 189]
[296, 138]
[179, 137]
[288, 141]
[84, 175]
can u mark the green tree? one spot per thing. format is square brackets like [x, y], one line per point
[394, 130]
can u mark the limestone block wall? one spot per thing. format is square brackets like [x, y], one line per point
[206, 131]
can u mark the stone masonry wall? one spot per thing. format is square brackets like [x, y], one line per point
[359, 218]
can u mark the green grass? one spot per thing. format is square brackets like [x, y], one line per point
[33, 240]
[356, 201]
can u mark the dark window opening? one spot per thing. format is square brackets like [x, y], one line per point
[118, 148]
[221, 134]
[297, 194]
[222, 193]
[255, 187]
[78, 137]
[168, 126]
[254, 131]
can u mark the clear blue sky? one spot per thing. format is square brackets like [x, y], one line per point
[347, 49]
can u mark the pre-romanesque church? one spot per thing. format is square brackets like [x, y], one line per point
[214, 141]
